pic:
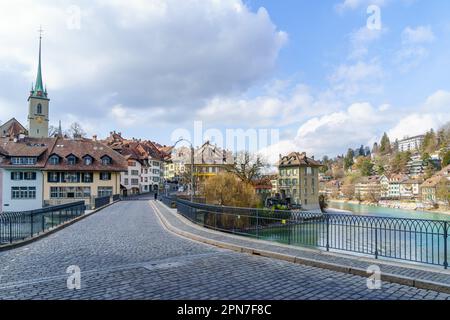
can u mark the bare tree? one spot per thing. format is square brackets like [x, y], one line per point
[52, 131]
[76, 131]
[248, 167]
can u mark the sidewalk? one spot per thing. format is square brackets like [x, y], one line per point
[419, 276]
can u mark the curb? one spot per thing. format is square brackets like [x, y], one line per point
[403, 280]
[45, 234]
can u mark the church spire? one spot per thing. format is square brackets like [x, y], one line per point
[39, 89]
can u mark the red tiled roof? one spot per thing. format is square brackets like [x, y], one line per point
[298, 159]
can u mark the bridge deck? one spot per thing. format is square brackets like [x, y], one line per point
[124, 253]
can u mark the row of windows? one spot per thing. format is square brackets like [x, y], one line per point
[72, 160]
[78, 192]
[76, 177]
[23, 193]
[18, 176]
[294, 172]
[295, 182]
[135, 182]
[24, 161]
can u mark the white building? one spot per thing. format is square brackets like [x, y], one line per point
[411, 144]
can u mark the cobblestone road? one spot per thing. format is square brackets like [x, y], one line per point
[125, 253]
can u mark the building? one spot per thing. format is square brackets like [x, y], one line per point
[12, 129]
[411, 144]
[368, 188]
[209, 160]
[38, 105]
[299, 180]
[81, 169]
[21, 172]
[416, 166]
[146, 162]
[429, 188]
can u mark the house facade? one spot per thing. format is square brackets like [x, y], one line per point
[411, 144]
[299, 180]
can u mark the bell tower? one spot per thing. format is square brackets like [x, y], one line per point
[38, 104]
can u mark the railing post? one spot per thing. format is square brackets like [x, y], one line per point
[10, 231]
[376, 243]
[445, 245]
[31, 229]
[43, 222]
[328, 232]
[257, 223]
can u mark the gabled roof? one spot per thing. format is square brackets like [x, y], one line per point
[298, 159]
[39, 148]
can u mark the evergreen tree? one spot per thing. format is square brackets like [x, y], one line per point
[446, 159]
[348, 160]
[385, 145]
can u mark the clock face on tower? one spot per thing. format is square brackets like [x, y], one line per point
[39, 119]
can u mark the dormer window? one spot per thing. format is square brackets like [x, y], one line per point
[72, 160]
[88, 160]
[106, 160]
[54, 160]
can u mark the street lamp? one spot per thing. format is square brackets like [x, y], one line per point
[192, 165]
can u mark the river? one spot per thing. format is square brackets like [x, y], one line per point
[365, 210]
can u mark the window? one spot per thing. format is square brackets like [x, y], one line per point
[53, 177]
[106, 160]
[105, 191]
[16, 176]
[156, 164]
[71, 177]
[39, 109]
[72, 160]
[54, 160]
[126, 181]
[156, 171]
[29, 176]
[308, 170]
[134, 172]
[23, 161]
[88, 177]
[105, 176]
[88, 161]
[70, 192]
[156, 179]
[131, 163]
[23, 193]
[134, 182]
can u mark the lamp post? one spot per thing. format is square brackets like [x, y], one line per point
[192, 165]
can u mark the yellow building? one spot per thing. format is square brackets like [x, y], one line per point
[81, 169]
[299, 180]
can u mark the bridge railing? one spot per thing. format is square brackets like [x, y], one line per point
[415, 240]
[16, 226]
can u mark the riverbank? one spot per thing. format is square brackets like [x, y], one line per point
[392, 204]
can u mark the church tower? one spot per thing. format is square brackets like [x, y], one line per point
[38, 105]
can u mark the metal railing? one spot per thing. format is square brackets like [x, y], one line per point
[16, 226]
[414, 240]
[102, 201]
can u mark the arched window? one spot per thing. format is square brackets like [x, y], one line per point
[39, 109]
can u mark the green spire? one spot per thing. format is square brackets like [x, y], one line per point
[39, 90]
[39, 83]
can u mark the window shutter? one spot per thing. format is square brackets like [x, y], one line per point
[12, 176]
[33, 175]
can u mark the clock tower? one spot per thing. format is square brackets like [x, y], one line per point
[38, 105]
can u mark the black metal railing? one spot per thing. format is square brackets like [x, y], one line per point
[102, 201]
[414, 240]
[16, 226]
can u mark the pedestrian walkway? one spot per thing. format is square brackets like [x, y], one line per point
[125, 252]
[420, 276]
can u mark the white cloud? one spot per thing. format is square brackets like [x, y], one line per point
[361, 39]
[360, 77]
[420, 34]
[355, 4]
[140, 54]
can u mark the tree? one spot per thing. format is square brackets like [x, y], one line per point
[348, 160]
[323, 202]
[375, 148]
[429, 170]
[443, 191]
[52, 131]
[361, 151]
[225, 189]
[430, 143]
[385, 145]
[364, 165]
[248, 167]
[399, 162]
[446, 159]
[76, 131]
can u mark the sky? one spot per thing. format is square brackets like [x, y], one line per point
[325, 75]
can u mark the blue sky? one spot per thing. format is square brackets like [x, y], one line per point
[310, 69]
